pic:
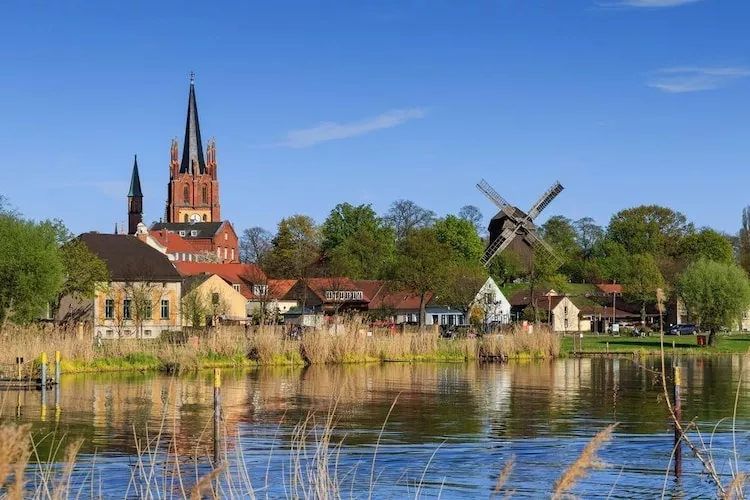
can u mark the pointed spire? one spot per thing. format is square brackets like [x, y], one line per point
[116, 228]
[192, 149]
[135, 180]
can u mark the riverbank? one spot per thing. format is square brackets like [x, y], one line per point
[268, 346]
[593, 345]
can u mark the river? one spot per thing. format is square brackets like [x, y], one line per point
[449, 434]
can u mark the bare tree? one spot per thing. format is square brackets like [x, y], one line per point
[404, 216]
[473, 215]
[255, 243]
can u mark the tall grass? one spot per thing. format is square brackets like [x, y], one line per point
[351, 342]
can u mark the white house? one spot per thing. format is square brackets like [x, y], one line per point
[494, 305]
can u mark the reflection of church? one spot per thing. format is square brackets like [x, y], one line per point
[193, 211]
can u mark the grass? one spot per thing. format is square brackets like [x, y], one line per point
[684, 344]
[235, 348]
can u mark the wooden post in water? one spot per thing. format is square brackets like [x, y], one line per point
[58, 358]
[607, 347]
[44, 386]
[217, 416]
[678, 417]
[19, 367]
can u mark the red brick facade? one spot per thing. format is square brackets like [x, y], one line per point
[193, 197]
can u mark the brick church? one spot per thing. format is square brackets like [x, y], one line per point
[193, 229]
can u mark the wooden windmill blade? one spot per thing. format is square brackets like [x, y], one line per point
[539, 244]
[495, 198]
[545, 200]
[498, 245]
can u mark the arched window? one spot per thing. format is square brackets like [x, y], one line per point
[204, 217]
[186, 217]
[186, 194]
[204, 195]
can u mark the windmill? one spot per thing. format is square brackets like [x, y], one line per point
[512, 226]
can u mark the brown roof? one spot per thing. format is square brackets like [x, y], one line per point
[319, 286]
[130, 259]
[606, 312]
[384, 295]
[279, 288]
[244, 275]
[609, 288]
[523, 297]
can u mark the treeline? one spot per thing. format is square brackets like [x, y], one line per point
[40, 262]
[646, 249]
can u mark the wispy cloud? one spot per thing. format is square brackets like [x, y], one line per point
[649, 4]
[695, 79]
[331, 131]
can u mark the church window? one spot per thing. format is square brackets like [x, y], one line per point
[204, 194]
[186, 194]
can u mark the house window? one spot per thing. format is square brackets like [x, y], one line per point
[218, 252]
[565, 310]
[215, 298]
[204, 218]
[110, 333]
[126, 309]
[260, 289]
[225, 253]
[204, 195]
[109, 309]
[190, 257]
[233, 254]
[182, 233]
[194, 233]
[566, 323]
[236, 287]
[165, 309]
[146, 333]
[226, 236]
[186, 194]
[148, 312]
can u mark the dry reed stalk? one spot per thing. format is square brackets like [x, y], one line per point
[15, 450]
[504, 475]
[585, 461]
[205, 483]
[735, 488]
[62, 490]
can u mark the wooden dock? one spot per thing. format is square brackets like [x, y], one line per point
[25, 384]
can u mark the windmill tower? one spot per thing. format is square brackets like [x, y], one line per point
[512, 228]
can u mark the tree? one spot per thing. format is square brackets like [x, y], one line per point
[473, 215]
[649, 229]
[706, 244]
[295, 250]
[641, 281]
[356, 242]
[31, 272]
[255, 243]
[559, 232]
[423, 265]
[589, 235]
[543, 274]
[83, 271]
[194, 308]
[463, 284]
[405, 216]
[715, 294]
[462, 237]
[613, 260]
[506, 267]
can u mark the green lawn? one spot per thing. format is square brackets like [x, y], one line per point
[687, 344]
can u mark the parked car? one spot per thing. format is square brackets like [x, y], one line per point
[682, 329]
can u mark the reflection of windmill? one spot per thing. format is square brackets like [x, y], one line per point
[513, 228]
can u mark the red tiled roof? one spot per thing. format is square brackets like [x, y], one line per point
[319, 286]
[244, 275]
[371, 288]
[383, 296]
[279, 288]
[609, 288]
[173, 241]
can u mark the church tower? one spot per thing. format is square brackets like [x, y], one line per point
[135, 200]
[193, 194]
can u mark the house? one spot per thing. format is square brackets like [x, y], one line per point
[563, 313]
[142, 297]
[310, 318]
[495, 308]
[328, 295]
[216, 241]
[207, 298]
[175, 246]
[247, 279]
[277, 290]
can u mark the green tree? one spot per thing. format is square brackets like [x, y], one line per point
[356, 242]
[559, 232]
[464, 282]
[295, 250]
[589, 235]
[31, 272]
[423, 265]
[404, 216]
[706, 244]
[641, 281]
[649, 229]
[715, 294]
[83, 271]
[613, 260]
[506, 267]
[462, 237]
[542, 275]
[473, 215]
[744, 243]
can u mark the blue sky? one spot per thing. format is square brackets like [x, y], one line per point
[626, 102]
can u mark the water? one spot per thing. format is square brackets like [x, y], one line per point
[451, 431]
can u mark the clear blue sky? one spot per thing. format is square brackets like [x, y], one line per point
[315, 103]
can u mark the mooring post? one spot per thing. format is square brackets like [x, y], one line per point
[58, 358]
[57, 367]
[607, 347]
[217, 416]
[19, 367]
[673, 345]
[678, 419]
[44, 386]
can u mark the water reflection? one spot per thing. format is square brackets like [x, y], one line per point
[472, 417]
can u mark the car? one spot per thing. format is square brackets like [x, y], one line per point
[682, 329]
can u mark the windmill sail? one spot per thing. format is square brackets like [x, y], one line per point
[545, 200]
[498, 245]
[538, 244]
[495, 198]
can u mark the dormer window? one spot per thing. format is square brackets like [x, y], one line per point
[182, 233]
[236, 287]
[260, 289]
[193, 233]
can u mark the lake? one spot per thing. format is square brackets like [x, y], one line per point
[450, 432]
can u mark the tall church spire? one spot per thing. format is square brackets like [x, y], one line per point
[135, 200]
[192, 149]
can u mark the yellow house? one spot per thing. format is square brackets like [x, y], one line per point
[208, 297]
